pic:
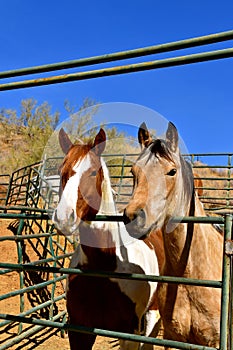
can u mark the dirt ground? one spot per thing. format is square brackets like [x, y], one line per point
[49, 339]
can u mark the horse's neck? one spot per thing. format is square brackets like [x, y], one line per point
[102, 234]
[190, 242]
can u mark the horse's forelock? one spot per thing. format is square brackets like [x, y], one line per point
[160, 148]
[76, 154]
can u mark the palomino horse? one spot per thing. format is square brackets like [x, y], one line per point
[164, 189]
[108, 303]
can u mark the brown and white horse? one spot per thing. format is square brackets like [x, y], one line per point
[108, 303]
[164, 189]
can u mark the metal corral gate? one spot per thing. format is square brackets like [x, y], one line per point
[43, 256]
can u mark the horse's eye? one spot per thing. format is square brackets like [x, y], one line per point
[94, 173]
[172, 172]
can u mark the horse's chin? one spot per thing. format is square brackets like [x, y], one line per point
[67, 230]
[139, 232]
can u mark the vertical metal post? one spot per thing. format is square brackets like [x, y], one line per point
[54, 277]
[192, 159]
[122, 175]
[231, 300]
[226, 274]
[231, 297]
[228, 188]
[21, 273]
[8, 191]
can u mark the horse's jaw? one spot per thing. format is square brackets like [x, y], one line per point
[68, 231]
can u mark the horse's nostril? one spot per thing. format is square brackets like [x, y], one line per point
[137, 218]
[127, 218]
[54, 218]
[141, 218]
[141, 213]
[72, 216]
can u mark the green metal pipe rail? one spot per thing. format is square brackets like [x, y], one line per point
[224, 285]
[33, 213]
[42, 214]
[145, 51]
[24, 214]
[137, 67]
[29, 217]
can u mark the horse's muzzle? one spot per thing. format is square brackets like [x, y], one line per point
[135, 223]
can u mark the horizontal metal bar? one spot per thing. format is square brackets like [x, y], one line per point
[106, 333]
[22, 208]
[214, 188]
[107, 274]
[218, 198]
[26, 334]
[52, 259]
[213, 166]
[207, 154]
[37, 308]
[199, 219]
[117, 218]
[24, 212]
[185, 219]
[28, 289]
[138, 67]
[145, 51]
[23, 216]
[42, 261]
[217, 179]
[27, 237]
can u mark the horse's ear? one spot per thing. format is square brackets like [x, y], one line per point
[144, 137]
[172, 136]
[99, 142]
[64, 141]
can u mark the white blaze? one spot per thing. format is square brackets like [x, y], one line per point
[66, 219]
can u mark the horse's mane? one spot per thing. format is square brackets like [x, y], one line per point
[110, 229]
[107, 206]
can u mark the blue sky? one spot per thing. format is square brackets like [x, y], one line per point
[197, 98]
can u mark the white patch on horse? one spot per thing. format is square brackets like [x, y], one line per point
[65, 217]
[152, 317]
[107, 207]
[136, 252]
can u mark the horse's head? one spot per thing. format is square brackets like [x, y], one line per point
[81, 182]
[162, 184]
